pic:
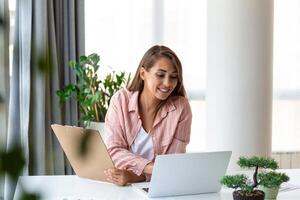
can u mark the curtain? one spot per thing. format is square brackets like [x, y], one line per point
[4, 74]
[48, 33]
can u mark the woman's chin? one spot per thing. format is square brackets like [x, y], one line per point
[162, 97]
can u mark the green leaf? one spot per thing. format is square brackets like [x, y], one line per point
[83, 150]
[236, 181]
[255, 161]
[94, 58]
[3, 23]
[83, 59]
[87, 84]
[96, 67]
[41, 59]
[86, 90]
[272, 179]
[30, 196]
[97, 96]
[72, 64]
[60, 93]
[12, 162]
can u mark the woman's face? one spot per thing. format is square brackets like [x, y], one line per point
[160, 80]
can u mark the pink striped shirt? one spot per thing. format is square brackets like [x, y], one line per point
[170, 131]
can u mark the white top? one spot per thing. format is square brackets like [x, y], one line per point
[143, 145]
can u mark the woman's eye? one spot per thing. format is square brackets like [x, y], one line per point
[160, 75]
[173, 77]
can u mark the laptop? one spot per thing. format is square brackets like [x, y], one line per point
[85, 151]
[186, 174]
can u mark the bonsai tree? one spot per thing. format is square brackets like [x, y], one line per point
[93, 95]
[272, 179]
[270, 182]
[244, 187]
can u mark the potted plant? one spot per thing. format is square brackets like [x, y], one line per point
[270, 183]
[92, 94]
[246, 189]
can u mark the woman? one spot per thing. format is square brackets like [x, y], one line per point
[151, 117]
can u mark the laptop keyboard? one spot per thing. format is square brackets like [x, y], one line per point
[146, 189]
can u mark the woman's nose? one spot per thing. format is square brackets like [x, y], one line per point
[167, 82]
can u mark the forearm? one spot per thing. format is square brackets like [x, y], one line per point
[135, 178]
[124, 159]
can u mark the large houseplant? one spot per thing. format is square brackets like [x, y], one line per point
[92, 94]
[246, 189]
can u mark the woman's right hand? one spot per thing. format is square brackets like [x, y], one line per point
[122, 177]
[148, 168]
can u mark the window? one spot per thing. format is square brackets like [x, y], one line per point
[121, 32]
[286, 76]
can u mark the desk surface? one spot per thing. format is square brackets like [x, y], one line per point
[73, 187]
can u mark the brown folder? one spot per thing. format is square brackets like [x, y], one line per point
[85, 151]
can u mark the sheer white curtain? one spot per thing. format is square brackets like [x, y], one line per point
[286, 73]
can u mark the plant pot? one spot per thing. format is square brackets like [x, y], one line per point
[270, 193]
[255, 195]
[99, 126]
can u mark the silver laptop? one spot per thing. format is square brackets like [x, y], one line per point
[186, 174]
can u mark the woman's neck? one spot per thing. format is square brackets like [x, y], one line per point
[148, 103]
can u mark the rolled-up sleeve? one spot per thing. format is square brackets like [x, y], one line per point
[116, 142]
[183, 131]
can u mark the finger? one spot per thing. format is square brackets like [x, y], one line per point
[117, 176]
[109, 179]
[114, 176]
[114, 180]
[122, 182]
[107, 172]
[118, 179]
[114, 171]
[122, 178]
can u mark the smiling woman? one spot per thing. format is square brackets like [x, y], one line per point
[150, 118]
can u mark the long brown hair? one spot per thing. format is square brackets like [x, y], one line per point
[150, 57]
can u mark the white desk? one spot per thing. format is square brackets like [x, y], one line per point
[72, 187]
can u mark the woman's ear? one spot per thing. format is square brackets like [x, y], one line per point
[142, 73]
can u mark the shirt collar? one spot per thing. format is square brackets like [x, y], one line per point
[167, 107]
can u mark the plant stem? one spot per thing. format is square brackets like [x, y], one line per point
[95, 106]
[255, 177]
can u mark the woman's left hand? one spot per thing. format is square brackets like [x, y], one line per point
[122, 176]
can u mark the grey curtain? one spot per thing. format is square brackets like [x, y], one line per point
[4, 74]
[48, 34]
